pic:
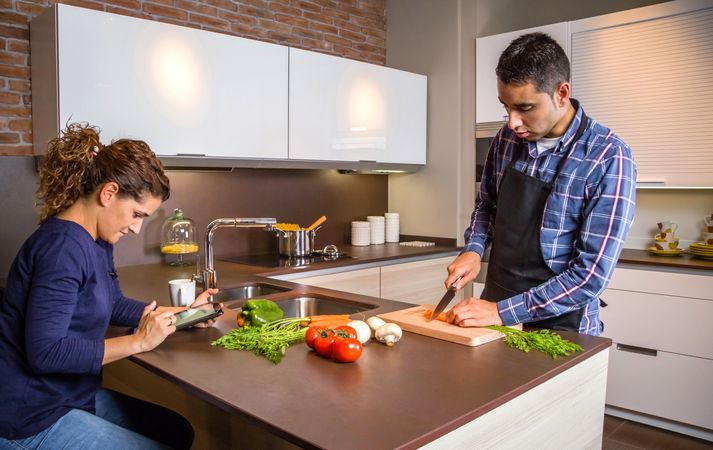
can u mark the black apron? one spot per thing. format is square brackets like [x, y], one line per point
[516, 263]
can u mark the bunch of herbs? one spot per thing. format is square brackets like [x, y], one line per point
[270, 341]
[545, 341]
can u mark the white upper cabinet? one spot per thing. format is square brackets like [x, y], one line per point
[344, 110]
[647, 74]
[487, 52]
[182, 90]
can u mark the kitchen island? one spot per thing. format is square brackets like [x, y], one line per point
[422, 392]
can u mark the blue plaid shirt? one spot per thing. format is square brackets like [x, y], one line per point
[584, 225]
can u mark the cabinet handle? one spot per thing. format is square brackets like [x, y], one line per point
[635, 349]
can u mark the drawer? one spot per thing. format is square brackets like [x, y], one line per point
[672, 324]
[667, 385]
[666, 283]
[362, 282]
[419, 282]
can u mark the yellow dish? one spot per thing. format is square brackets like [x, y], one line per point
[657, 252]
[702, 246]
[179, 249]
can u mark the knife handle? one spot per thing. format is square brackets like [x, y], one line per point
[455, 283]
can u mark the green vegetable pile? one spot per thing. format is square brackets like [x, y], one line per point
[270, 340]
[545, 341]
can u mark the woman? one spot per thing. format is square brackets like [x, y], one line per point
[62, 293]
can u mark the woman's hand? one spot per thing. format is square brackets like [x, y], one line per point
[201, 300]
[153, 327]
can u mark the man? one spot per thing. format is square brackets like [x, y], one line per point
[556, 201]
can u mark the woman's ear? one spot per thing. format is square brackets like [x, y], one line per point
[108, 192]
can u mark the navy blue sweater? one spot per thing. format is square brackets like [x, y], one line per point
[61, 295]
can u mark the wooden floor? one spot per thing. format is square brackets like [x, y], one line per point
[620, 434]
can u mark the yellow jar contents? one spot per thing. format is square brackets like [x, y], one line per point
[179, 249]
[179, 243]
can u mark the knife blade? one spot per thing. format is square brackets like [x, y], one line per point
[445, 300]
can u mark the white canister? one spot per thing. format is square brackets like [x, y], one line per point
[391, 227]
[361, 234]
[377, 229]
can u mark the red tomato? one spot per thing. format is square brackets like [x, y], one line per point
[345, 329]
[323, 343]
[346, 350]
[311, 335]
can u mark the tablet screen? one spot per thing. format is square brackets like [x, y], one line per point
[194, 314]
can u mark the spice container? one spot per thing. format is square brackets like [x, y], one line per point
[377, 229]
[360, 233]
[392, 227]
[179, 243]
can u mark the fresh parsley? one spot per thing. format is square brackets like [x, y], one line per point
[545, 341]
[270, 340]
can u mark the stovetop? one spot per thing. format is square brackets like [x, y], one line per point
[274, 260]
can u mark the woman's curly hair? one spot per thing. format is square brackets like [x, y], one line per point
[77, 163]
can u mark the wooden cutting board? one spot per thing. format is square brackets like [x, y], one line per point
[413, 320]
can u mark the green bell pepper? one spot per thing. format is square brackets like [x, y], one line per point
[260, 312]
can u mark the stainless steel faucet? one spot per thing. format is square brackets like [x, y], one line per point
[209, 277]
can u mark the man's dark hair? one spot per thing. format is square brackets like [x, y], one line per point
[535, 58]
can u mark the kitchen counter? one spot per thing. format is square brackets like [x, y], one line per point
[685, 261]
[360, 256]
[421, 391]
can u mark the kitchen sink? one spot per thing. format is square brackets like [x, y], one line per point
[314, 305]
[247, 291]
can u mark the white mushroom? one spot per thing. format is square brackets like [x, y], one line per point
[375, 322]
[362, 329]
[388, 334]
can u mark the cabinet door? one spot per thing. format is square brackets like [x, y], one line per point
[487, 52]
[419, 282]
[362, 282]
[667, 385]
[344, 110]
[619, 60]
[182, 90]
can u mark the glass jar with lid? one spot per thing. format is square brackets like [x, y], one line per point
[179, 243]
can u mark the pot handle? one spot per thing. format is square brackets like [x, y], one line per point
[330, 250]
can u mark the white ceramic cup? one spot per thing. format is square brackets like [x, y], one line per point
[708, 238]
[667, 227]
[709, 223]
[182, 291]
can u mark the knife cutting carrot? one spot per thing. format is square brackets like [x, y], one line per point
[441, 316]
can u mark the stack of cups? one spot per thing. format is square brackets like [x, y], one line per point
[377, 229]
[361, 233]
[392, 227]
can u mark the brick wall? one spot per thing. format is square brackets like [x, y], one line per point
[353, 29]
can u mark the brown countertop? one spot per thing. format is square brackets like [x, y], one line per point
[399, 397]
[361, 255]
[685, 261]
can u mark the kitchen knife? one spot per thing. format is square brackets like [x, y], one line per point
[450, 293]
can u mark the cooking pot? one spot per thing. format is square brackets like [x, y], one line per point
[296, 243]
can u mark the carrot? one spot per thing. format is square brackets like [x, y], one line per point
[328, 320]
[441, 316]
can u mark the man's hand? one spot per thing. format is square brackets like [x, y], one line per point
[466, 267]
[474, 312]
